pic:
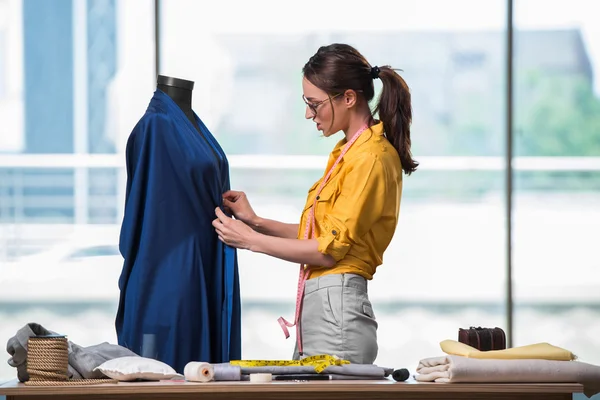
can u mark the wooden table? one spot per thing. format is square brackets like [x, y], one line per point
[330, 390]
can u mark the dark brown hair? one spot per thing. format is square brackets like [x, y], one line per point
[340, 67]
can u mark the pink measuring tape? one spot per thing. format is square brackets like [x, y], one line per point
[310, 229]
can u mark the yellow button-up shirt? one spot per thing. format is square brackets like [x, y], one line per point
[357, 211]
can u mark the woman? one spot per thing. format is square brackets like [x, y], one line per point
[350, 214]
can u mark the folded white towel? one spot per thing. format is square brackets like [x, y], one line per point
[452, 369]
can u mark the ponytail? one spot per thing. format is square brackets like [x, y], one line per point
[395, 111]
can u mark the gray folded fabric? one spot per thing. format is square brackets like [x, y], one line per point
[334, 377]
[82, 360]
[368, 371]
[338, 377]
[276, 370]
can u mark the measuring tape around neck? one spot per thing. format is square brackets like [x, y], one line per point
[310, 230]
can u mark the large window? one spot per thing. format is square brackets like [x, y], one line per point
[76, 75]
[557, 187]
[445, 267]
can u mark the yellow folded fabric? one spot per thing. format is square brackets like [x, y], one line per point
[540, 351]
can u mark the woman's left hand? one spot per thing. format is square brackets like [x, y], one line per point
[233, 232]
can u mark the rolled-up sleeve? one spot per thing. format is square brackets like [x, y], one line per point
[359, 205]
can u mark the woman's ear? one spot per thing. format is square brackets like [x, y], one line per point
[350, 98]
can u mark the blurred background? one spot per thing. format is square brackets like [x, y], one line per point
[76, 75]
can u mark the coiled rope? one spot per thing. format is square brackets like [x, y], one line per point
[48, 363]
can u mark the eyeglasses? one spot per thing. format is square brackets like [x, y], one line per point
[314, 106]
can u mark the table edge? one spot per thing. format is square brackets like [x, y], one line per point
[14, 388]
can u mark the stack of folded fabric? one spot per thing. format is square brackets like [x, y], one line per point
[535, 363]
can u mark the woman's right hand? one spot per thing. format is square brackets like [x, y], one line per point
[238, 204]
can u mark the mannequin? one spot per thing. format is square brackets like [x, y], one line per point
[180, 90]
[180, 296]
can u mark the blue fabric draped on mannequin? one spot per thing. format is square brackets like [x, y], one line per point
[180, 298]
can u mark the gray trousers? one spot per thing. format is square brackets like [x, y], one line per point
[338, 319]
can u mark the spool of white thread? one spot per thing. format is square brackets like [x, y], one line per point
[196, 371]
[259, 378]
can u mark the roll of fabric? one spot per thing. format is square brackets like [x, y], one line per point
[199, 372]
[227, 372]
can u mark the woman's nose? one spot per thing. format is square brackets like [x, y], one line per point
[308, 113]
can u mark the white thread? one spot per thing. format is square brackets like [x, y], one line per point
[199, 372]
[261, 377]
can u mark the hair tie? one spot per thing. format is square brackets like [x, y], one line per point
[375, 72]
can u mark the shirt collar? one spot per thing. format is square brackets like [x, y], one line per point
[375, 130]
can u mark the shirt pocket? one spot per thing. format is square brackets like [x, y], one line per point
[309, 196]
[324, 202]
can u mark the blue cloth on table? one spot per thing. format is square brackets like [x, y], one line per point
[180, 296]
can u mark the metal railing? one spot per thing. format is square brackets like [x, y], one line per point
[308, 162]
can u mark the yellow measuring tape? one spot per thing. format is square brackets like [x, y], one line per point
[319, 362]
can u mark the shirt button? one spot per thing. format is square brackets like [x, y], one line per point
[318, 197]
[334, 232]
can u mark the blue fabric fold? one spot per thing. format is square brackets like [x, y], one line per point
[179, 287]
